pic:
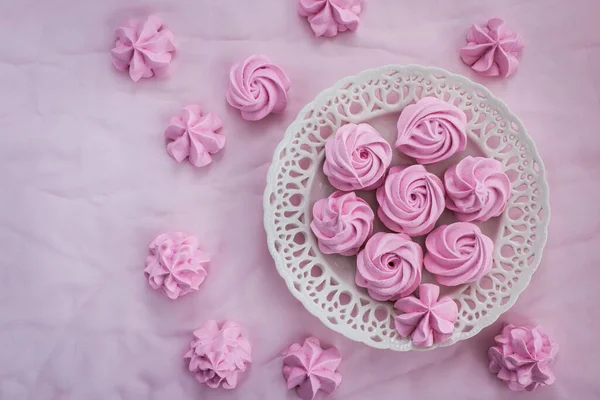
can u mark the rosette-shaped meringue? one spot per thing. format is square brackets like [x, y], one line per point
[356, 158]
[342, 223]
[309, 368]
[458, 253]
[427, 319]
[411, 200]
[175, 264]
[257, 88]
[492, 49]
[144, 48]
[522, 357]
[389, 266]
[194, 136]
[328, 17]
[476, 189]
[219, 354]
[431, 130]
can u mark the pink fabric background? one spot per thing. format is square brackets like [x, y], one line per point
[86, 184]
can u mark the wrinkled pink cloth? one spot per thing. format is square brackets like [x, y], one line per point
[458, 253]
[342, 223]
[176, 265]
[522, 357]
[87, 184]
[411, 200]
[477, 189]
[426, 319]
[194, 135]
[492, 49]
[257, 87]
[309, 368]
[219, 354]
[357, 158]
[389, 266]
[328, 17]
[144, 48]
[431, 130]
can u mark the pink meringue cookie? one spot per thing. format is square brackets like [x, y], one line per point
[389, 266]
[476, 189]
[175, 264]
[310, 369]
[356, 158]
[219, 354]
[492, 49]
[194, 135]
[328, 17]
[257, 88]
[427, 319]
[342, 223]
[522, 357]
[411, 200]
[144, 48]
[458, 253]
[431, 130]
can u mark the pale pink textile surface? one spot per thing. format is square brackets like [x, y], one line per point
[86, 184]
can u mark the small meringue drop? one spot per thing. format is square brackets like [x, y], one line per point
[144, 48]
[219, 354]
[342, 223]
[310, 369]
[522, 357]
[357, 158]
[492, 49]
[431, 130]
[257, 87]
[328, 17]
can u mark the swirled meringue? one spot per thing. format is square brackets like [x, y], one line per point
[411, 200]
[427, 319]
[492, 49]
[310, 369]
[522, 357]
[389, 266]
[257, 88]
[356, 158]
[328, 17]
[342, 223]
[194, 135]
[219, 354]
[458, 253]
[175, 264]
[144, 48]
[476, 189]
[431, 130]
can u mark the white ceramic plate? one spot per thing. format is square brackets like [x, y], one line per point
[325, 283]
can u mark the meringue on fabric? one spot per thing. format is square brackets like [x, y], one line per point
[310, 369]
[492, 49]
[328, 17]
[356, 158]
[389, 266]
[431, 130]
[257, 88]
[411, 200]
[144, 48]
[522, 357]
[477, 189]
[194, 135]
[426, 319]
[219, 354]
[176, 265]
[342, 223]
[458, 253]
